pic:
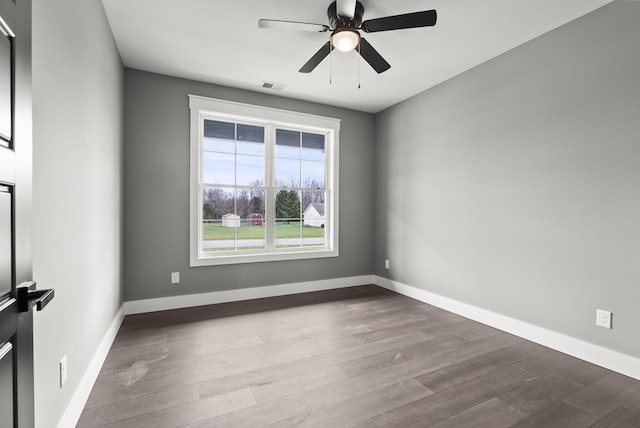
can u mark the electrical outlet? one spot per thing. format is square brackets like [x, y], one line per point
[386, 264]
[603, 318]
[175, 277]
[63, 371]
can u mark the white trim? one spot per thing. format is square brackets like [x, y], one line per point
[202, 108]
[612, 360]
[235, 109]
[273, 256]
[73, 411]
[191, 300]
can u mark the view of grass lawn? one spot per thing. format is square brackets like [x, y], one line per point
[217, 232]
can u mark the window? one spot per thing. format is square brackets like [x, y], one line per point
[264, 184]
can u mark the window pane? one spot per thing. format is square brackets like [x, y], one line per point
[313, 236]
[287, 138]
[288, 219]
[312, 197]
[216, 145]
[313, 174]
[215, 129]
[288, 152]
[314, 219]
[250, 133]
[287, 172]
[312, 146]
[287, 144]
[256, 202]
[213, 238]
[216, 202]
[250, 148]
[218, 233]
[218, 168]
[288, 205]
[249, 169]
[288, 234]
[312, 154]
[250, 235]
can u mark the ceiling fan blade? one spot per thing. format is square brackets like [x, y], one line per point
[346, 8]
[372, 56]
[316, 59]
[426, 18]
[291, 25]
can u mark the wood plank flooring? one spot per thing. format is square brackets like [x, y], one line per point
[358, 357]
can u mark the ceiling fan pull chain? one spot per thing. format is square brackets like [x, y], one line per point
[359, 62]
[330, 61]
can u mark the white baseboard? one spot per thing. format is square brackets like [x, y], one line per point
[612, 360]
[81, 395]
[190, 300]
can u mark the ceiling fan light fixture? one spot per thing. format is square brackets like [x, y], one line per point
[345, 39]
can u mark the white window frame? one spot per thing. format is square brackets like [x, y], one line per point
[201, 108]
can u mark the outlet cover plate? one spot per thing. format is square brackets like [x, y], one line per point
[603, 318]
[175, 277]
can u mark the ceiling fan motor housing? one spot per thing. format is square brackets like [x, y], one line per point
[336, 21]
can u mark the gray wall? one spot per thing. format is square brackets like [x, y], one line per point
[156, 198]
[77, 96]
[514, 186]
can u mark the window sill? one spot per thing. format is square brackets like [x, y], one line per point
[276, 256]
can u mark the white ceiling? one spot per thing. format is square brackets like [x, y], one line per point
[219, 42]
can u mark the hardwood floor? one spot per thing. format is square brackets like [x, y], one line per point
[355, 357]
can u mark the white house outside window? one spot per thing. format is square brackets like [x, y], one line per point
[263, 184]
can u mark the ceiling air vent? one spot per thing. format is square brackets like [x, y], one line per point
[274, 86]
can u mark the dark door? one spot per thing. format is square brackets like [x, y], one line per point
[17, 293]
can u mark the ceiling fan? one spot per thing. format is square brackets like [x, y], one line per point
[345, 19]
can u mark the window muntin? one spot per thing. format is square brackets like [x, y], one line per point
[263, 184]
